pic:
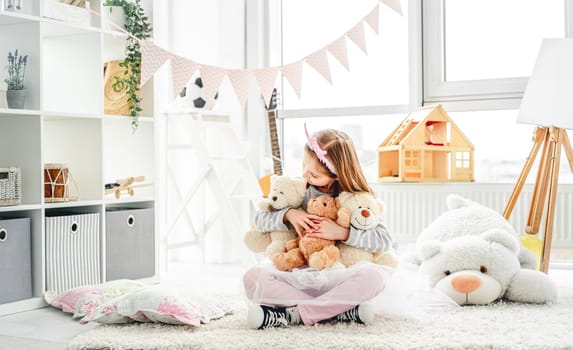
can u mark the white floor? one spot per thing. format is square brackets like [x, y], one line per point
[51, 329]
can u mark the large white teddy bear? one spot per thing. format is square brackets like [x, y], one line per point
[472, 254]
[362, 211]
[284, 192]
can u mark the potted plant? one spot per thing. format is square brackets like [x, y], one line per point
[112, 13]
[16, 93]
[136, 24]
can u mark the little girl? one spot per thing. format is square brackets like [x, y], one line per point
[307, 296]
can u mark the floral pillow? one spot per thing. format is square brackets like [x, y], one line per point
[162, 304]
[81, 300]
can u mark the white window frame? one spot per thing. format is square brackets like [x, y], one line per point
[487, 94]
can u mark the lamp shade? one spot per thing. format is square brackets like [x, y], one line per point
[548, 98]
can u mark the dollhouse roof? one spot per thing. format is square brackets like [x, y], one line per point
[418, 119]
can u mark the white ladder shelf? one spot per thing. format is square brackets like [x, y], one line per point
[208, 185]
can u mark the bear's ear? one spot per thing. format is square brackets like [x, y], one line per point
[299, 186]
[337, 203]
[455, 201]
[344, 196]
[502, 237]
[429, 250]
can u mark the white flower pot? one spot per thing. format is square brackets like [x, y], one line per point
[111, 15]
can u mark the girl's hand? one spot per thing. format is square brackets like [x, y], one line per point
[301, 221]
[328, 229]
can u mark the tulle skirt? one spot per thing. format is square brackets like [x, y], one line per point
[400, 291]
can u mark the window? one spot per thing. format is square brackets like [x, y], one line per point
[378, 78]
[462, 159]
[481, 91]
[483, 50]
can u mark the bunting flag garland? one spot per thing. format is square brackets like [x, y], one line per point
[153, 57]
[356, 34]
[394, 5]
[182, 70]
[266, 80]
[339, 51]
[212, 77]
[319, 62]
[372, 19]
[293, 74]
[240, 81]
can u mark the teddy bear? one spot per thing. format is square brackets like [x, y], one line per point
[362, 211]
[284, 192]
[472, 254]
[315, 252]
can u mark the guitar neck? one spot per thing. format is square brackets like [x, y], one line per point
[275, 149]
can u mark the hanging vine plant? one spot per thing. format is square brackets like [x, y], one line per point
[136, 24]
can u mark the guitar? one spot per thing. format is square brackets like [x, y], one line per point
[273, 135]
[265, 181]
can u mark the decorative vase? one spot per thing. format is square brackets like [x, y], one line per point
[16, 98]
[111, 15]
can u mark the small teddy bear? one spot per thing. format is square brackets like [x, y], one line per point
[315, 252]
[362, 211]
[284, 192]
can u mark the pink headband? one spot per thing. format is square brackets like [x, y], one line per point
[320, 153]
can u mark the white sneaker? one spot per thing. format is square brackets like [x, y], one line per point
[262, 316]
[294, 316]
[363, 313]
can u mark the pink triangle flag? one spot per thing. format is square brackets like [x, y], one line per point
[240, 81]
[266, 78]
[394, 5]
[212, 77]
[339, 51]
[293, 74]
[356, 34]
[372, 19]
[319, 62]
[182, 70]
[152, 57]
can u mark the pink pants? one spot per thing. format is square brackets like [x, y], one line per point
[367, 282]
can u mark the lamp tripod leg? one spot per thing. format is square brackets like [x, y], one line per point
[567, 148]
[538, 138]
[541, 184]
[556, 144]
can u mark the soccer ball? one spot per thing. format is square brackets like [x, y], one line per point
[194, 92]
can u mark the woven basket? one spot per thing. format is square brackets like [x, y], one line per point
[10, 186]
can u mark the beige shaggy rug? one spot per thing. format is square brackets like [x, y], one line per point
[502, 325]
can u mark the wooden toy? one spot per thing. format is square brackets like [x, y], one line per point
[427, 146]
[124, 185]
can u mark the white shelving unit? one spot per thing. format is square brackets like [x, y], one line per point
[63, 122]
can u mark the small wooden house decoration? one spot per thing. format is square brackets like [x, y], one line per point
[426, 147]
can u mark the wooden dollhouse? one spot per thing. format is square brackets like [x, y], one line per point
[426, 147]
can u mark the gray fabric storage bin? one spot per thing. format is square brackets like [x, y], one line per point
[15, 260]
[72, 251]
[130, 243]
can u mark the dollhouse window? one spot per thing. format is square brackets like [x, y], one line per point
[412, 159]
[462, 159]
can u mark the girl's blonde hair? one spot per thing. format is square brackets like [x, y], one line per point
[341, 153]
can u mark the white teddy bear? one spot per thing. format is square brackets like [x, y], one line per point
[473, 255]
[362, 211]
[284, 192]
